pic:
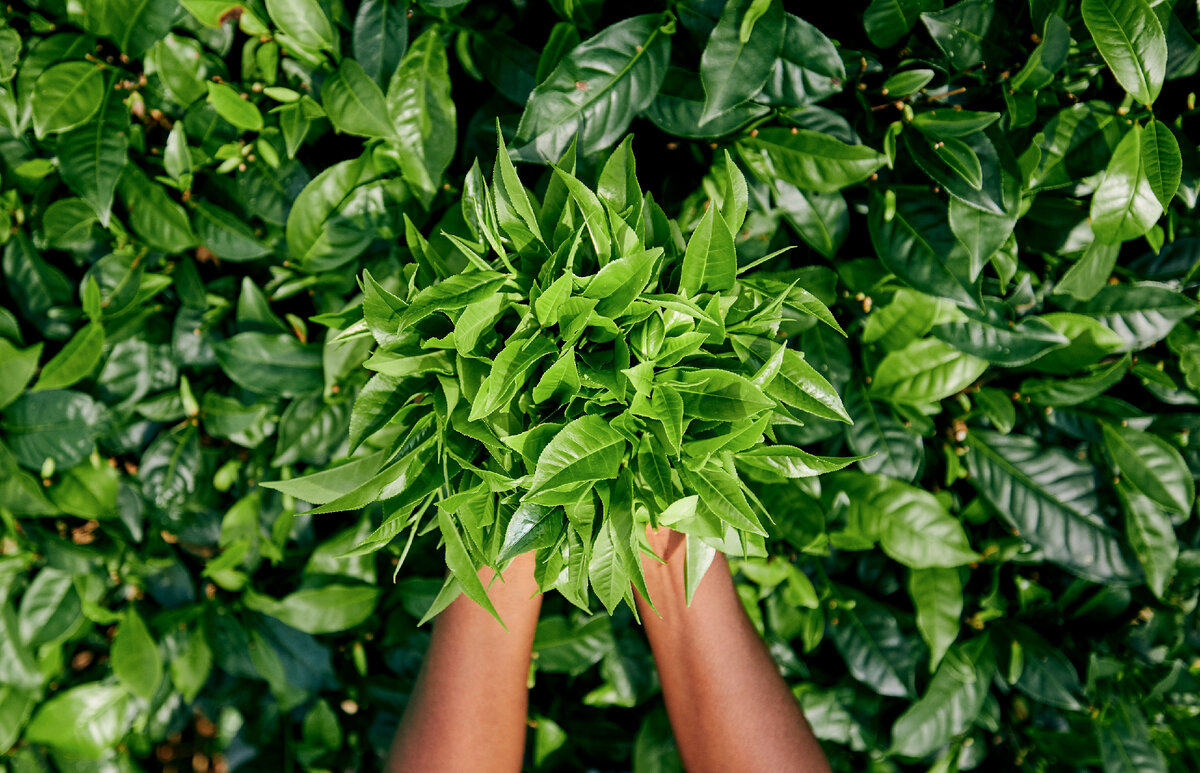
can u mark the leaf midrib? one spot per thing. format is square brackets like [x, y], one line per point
[928, 247]
[374, 118]
[75, 87]
[1141, 71]
[1017, 474]
[857, 622]
[639, 52]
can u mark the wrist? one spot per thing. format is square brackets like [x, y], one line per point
[514, 590]
[665, 577]
[666, 580]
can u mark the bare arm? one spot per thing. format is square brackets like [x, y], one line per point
[467, 712]
[729, 707]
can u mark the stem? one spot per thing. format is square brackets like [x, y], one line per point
[760, 121]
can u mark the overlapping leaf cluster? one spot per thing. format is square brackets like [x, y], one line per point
[573, 373]
[246, 242]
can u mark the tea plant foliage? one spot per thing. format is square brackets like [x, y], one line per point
[312, 309]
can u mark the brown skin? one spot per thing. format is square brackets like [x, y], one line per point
[729, 707]
[467, 711]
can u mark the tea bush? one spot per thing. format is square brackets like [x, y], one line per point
[894, 304]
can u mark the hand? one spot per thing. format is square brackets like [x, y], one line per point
[667, 544]
[728, 705]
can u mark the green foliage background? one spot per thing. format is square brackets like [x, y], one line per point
[997, 200]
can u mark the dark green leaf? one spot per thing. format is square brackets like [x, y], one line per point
[50, 609]
[937, 594]
[1057, 393]
[1048, 497]
[950, 704]
[809, 67]
[75, 361]
[355, 103]
[91, 157]
[65, 96]
[821, 219]
[318, 234]
[916, 244]
[888, 21]
[1153, 466]
[1125, 741]
[1142, 313]
[135, 659]
[381, 37]
[735, 66]
[225, 235]
[271, 364]
[303, 21]
[57, 424]
[531, 527]
[951, 163]
[959, 30]
[808, 159]
[877, 652]
[1161, 160]
[154, 215]
[925, 371]
[1151, 535]
[680, 103]
[135, 26]
[1131, 40]
[1047, 59]
[999, 341]
[327, 609]
[1125, 205]
[889, 448]
[170, 468]
[595, 91]
[1047, 674]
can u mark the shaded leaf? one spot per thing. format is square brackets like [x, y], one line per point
[595, 91]
[950, 704]
[878, 654]
[1049, 498]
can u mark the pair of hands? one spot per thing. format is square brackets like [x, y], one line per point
[517, 585]
[729, 707]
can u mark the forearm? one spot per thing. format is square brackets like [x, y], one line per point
[728, 705]
[468, 708]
